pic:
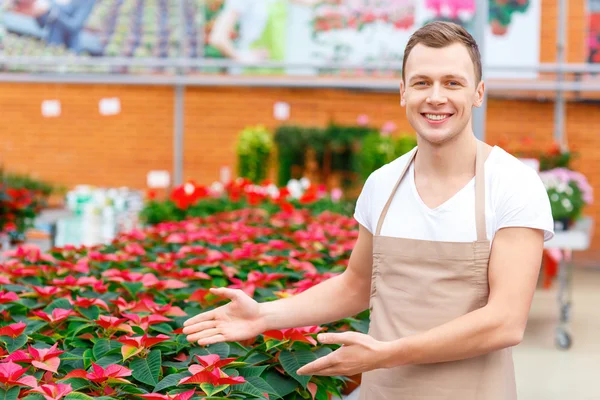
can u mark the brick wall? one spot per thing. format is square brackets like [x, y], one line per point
[83, 147]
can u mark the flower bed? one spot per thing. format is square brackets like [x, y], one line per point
[105, 322]
[193, 200]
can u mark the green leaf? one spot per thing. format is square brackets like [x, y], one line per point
[281, 384]
[293, 361]
[15, 344]
[105, 346]
[162, 328]
[77, 383]
[76, 327]
[138, 330]
[33, 396]
[78, 396]
[10, 394]
[211, 390]
[256, 386]
[33, 326]
[147, 370]
[87, 358]
[58, 303]
[252, 371]
[222, 349]
[90, 313]
[133, 287]
[110, 359]
[258, 358]
[170, 381]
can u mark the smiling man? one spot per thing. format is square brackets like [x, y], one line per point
[448, 255]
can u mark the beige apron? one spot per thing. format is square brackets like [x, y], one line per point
[418, 285]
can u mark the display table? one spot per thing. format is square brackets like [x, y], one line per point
[575, 239]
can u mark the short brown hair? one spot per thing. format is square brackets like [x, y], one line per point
[440, 34]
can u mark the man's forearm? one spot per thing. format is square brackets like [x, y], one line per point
[479, 332]
[331, 300]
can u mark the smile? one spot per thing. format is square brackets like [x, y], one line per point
[436, 118]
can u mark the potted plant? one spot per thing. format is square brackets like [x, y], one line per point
[569, 192]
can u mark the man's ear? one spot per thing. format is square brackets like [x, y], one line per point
[479, 94]
[402, 93]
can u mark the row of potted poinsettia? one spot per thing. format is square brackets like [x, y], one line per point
[106, 322]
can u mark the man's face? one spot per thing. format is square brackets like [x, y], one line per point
[439, 91]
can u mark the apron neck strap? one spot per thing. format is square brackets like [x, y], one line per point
[479, 193]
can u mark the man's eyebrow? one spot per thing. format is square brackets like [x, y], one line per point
[448, 76]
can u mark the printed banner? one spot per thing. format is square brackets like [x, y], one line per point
[290, 31]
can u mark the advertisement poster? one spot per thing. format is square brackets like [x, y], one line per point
[593, 33]
[318, 32]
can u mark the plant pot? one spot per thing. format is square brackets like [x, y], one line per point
[352, 385]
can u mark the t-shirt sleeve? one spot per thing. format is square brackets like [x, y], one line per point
[363, 211]
[524, 202]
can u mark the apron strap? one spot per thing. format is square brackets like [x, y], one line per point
[480, 193]
[387, 205]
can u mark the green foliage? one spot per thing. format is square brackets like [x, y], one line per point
[254, 148]
[378, 150]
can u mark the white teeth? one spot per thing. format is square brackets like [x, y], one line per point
[436, 117]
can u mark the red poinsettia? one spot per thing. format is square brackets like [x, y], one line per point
[145, 321]
[135, 345]
[209, 371]
[13, 330]
[52, 391]
[11, 374]
[113, 324]
[57, 316]
[255, 280]
[295, 334]
[46, 359]
[113, 373]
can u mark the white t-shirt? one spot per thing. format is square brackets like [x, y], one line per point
[515, 197]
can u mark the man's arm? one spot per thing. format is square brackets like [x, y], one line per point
[513, 272]
[339, 297]
[220, 35]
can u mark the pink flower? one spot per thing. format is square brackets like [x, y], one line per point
[362, 120]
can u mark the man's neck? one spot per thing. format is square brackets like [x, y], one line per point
[452, 159]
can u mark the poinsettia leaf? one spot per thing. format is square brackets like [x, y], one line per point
[33, 396]
[211, 390]
[138, 330]
[105, 346]
[283, 385]
[77, 383]
[91, 313]
[109, 359]
[78, 396]
[258, 358]
[293, 361]
[162, 328]
[170, 381]
[252, 371]
[133, 288]
[15, 344]
[10, 394]
[221, 349]
[259, 385]
[147, 370]
[58, 303]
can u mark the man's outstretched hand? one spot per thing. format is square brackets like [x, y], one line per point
[359, 353]
[237, 320]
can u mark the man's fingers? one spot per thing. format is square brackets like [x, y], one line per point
[211, 340]
[203, 335]
[231, 294]
[206, 316]
[340, 338]
[317, 365]
[199, 327]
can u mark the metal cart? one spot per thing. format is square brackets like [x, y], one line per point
[576, 238]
